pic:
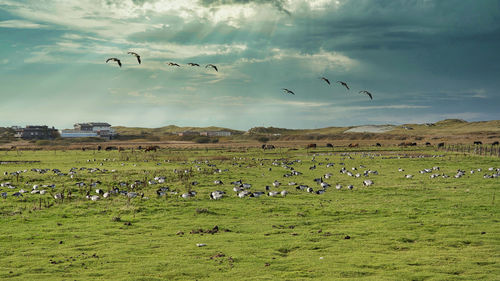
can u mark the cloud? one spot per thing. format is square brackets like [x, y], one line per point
[20, 24]
[278, 4]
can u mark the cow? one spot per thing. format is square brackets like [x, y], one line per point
[268, 146]
[353, 145]
[441, 144]
[408, 143]
[329, 145]
[427, 143]
[494, 143]
[477, 143]
[151, 148]
[311, 145]
[109, 148]
[120, 149]
[99, 148]
[378, 144]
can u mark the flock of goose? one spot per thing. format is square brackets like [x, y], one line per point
[93, 191]
[285, 90]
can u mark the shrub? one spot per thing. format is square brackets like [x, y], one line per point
[202, 140]
[263, 139]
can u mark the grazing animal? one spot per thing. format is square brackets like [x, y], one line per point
[353, 145]
[329, 145]
[367, 93]
[343, 84]
[151, 148]
[311, 145]
[115, 59]
[478, 143]
[268, 146]
[427, 143]
[326, 80]
[378, 144]
[287, 91]
[441, 144]
[494, 143]
[212, 66]
[136, 56]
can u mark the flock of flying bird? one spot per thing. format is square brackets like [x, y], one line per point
[138, 57]
[287, 91]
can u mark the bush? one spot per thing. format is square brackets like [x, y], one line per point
[263, 139]
[43, 142]
[202, 140]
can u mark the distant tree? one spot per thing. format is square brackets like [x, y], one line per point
[202, 140]
[263, 139]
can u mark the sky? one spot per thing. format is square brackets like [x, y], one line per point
[422, 60]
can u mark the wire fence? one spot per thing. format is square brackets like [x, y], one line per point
[481, 149]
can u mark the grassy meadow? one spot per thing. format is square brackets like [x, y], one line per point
[399, 229]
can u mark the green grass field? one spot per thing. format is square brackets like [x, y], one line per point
[399, 228]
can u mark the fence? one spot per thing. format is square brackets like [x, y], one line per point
[484, 150]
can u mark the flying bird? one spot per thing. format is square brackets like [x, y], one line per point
[212, 66]
[115, 59]
[343, 84]
[326, 80]
[193, 64]
[136, 55]
[368, 93]
[288, 91]
[173, 64]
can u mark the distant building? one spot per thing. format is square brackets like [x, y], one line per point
[93, 129]
[216, 133]
[36, 133]
[188, 133]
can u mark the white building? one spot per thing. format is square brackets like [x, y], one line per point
[216, 133]
[92, 129]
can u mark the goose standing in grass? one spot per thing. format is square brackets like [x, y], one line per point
[115, 59]
[284, 193]
[350, 187]
[272, 193]
[338, 186]
[216, 195]
[367, 182]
